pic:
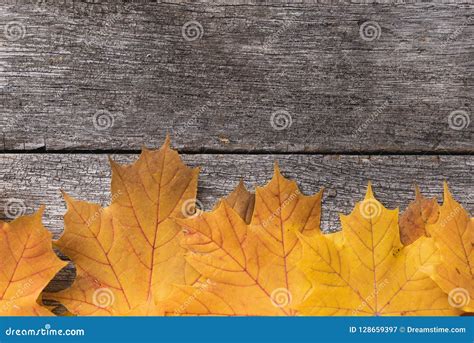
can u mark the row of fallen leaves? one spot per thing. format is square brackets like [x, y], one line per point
[254, 254]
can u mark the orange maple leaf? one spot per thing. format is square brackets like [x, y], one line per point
[419, 213]
[365, 270]
[128, 255]
[242, 201]
[249, 269]
[453, 234]
[27, 264]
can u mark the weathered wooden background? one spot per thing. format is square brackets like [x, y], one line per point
[338, 92]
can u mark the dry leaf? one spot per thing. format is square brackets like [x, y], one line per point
[418, 215]
[249, 269]
[242, 201]
[27, 264]
[128, 255]
[453, 234]
[365, 270]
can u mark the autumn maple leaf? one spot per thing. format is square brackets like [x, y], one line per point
[242, 201]
[128, 255]
[27, 264]
[365, 270]
[419, 214]
[453, 234]
[249, 269]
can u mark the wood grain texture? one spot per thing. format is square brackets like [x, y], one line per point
[37, 178]
[79, 63]
[109, 76]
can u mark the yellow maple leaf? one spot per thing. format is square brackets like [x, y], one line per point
[128, 255]
[453, 234]
[419, 213]
[365, 270]
[27, 264]
[249, 269]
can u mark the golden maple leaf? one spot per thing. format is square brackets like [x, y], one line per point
[128, 255]
[249, 269]
[365, 270]
[453, 234]
[27, 264]
[419, 213]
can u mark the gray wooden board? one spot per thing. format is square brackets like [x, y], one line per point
[36, 179]
[76, 64]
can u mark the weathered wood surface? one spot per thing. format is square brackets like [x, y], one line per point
[76, 64]
[104, 76]
[36, 179]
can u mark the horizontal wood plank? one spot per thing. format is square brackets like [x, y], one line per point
[103, 75]
[35, 179]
